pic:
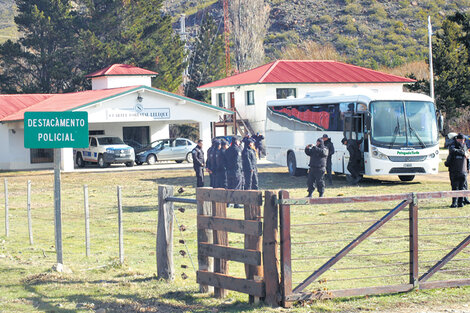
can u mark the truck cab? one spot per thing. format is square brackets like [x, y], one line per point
[105, 150]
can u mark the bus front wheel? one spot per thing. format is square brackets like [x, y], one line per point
[292, 165]
[406, 177]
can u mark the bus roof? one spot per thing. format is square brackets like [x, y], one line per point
[350, 95]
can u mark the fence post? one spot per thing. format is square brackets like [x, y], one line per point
[121, 235]
[413, 211]
[165, 266]
[270, 250]
[7, 218]
[220, 238]
[253, 213]
[87, 220]
[204, 235]
[28, 208]
[286, 266]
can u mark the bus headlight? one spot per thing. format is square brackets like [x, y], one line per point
[432, 155]
[378, 155]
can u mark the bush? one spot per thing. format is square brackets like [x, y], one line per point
[353, 8]
[326, 19]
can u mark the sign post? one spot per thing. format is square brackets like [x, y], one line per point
[56, 130]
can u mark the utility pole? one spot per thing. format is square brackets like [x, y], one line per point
[431, 72]
[228, 67]
[184, 37]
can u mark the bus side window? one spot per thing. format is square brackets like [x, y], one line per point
[334, 117]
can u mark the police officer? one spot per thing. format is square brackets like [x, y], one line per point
[457, 162]
[318, 155]
[198, 163]
[355, 158]
[250, 169]
[220, 166]
[258, 144]
[233, 156]
[331, 150]
[210, 163]
[453, 144]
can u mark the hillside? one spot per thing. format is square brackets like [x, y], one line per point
[371, 33]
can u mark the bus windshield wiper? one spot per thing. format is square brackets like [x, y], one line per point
[395, 133]
[413, 131]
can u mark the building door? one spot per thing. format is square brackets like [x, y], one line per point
[232, 101]
[136, 137]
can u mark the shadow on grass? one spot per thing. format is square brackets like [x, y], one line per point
[139, 208]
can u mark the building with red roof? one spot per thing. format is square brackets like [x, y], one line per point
[118, 92]
[248, 92]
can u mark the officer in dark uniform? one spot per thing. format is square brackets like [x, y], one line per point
[457, 162]
[198, 163]
[210, 163]
[233, 156]
[355, 158]
[453, 144]
[250, 169]
[318, 155]
[331, 150]
[258, 144]
[220, 166]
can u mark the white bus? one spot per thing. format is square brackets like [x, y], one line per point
[401, 128]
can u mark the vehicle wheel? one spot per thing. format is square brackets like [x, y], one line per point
[406, 177]
[151, 159]
[101, 162]
[179, 161]
[79, 161]
[138, 163]
[292, 166]
[130, 164]
[189, 157]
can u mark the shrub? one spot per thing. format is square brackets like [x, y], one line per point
[353, 8]
[326, 19]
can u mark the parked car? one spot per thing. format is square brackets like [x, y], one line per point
[177, 149]
[449, 138]
[105, 150]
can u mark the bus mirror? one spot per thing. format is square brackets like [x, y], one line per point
[440, 121]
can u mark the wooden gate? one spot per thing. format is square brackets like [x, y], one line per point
[291, 294]
[260, 248]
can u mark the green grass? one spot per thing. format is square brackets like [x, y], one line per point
[29, 285]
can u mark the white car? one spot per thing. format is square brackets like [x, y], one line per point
[105, 150]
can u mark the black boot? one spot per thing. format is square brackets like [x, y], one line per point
[465, 201]
[309, 195]
[460, 202]
[320, 194]
[454, 203]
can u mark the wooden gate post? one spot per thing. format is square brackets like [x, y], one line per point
[413, 211]
[165, 266]
[219, 209]
[286, 263]
[253, 213]
[270, 250]
[204, 235]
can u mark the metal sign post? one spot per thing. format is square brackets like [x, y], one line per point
[56, 130]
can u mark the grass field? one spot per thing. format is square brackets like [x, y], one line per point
[99, 282]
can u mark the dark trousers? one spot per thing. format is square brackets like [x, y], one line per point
[212, 180]
[354, 169]
[328, 171]
[235, 180]
[315, 178]
[220, 179]
[458, 182]
[199, 176]
[251, 180]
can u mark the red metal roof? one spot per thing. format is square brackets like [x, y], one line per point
[121, 70]
[55, 102]
[307, 71]
[10, 104]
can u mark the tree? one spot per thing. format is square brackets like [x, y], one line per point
[249, 24]
[42, 60]
[208, 59]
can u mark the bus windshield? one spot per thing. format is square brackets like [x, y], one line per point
[403, 124]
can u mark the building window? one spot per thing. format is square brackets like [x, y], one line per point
[221, 100]
[284, 93]
[250, 97]
[41, 155]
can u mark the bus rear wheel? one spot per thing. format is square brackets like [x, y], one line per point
[292, 165]
[406, 177]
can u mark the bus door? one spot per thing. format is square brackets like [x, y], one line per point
[354, 128]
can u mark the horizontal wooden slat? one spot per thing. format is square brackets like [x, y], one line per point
[181, 200]
[444, 283]
[253, 228]
[252, 197]
[251, 287]
[349, 292]
[393, 197]
[251, 257]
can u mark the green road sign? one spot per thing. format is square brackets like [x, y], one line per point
[55, 130]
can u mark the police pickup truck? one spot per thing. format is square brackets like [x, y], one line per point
[105, 150]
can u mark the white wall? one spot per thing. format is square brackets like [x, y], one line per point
[105, 82]
[5, 144]
[256, 114]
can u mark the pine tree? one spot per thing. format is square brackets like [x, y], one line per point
[208, 59]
